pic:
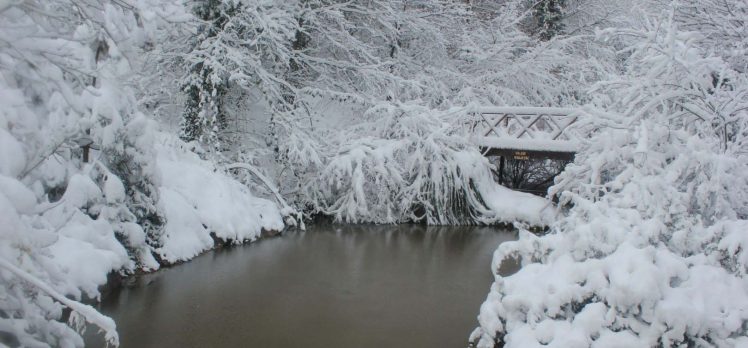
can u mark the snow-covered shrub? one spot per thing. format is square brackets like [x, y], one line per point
[128, 152]
[650, 253]
[407, 169]
[66, 223]
[410, 167]
[50, 250]
[127, 155]
[57, 236]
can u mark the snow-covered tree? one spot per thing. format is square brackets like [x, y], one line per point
[651, 251]
[79, 185]
[722, 25]
[59, 84]
[206, 84]
[408, 168]
[548, 15]
[504, 65]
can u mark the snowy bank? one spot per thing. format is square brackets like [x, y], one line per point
[514, 206]
[54, 245]
[198, 200]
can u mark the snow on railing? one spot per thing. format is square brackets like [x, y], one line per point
[526, 110]
[517, 124]
[526, 122]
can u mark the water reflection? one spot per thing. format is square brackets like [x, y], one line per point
[332, 286]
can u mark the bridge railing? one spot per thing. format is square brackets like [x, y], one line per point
[527, 132]
[544, 123]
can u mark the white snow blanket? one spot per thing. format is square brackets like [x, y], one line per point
[517, 206]
[527, 144]
[198, 200]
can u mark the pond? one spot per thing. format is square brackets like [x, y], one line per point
[331, 286]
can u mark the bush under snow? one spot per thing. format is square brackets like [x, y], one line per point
[414, 166]
[70, 245]
[66, 224]
[652, 251]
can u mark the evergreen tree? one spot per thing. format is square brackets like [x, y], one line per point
[204, 118]
[548, 18]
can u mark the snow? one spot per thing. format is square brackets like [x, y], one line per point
[4, 4]
[9, 203]
[80, 313]
[649, 250]
[412, 169]
[82, 190]
[527, 144]
[526, 110]
[199, 200]
[86, 251]
[22, 198]
[647, 247]
[511, 205]
[74, 258]
[10, 150]
[114, 190]
[184, 235]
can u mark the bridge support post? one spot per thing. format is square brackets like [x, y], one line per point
[501, 170]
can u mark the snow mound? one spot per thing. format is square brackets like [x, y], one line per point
[198, 200]
[510, 205]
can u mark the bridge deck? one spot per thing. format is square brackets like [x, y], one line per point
[527, 144]
[526, 110]
[523, 149]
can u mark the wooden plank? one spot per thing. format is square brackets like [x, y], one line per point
[524, 155]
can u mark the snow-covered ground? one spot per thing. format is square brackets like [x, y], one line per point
[515, 206]
[197, 200]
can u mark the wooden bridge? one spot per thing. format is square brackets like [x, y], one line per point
[523, 133]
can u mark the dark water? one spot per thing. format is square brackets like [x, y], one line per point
[332, 286]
